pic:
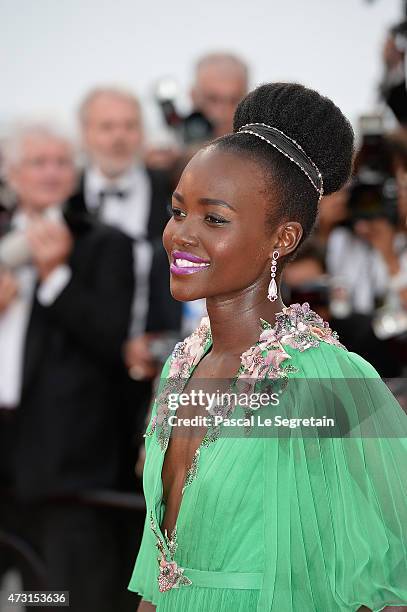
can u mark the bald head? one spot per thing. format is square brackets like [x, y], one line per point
[221, 81]
[111, 129]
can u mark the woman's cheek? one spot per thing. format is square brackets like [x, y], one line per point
[167, 236]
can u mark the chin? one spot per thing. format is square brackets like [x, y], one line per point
[181, 292]
[114, 167]
[42, 204]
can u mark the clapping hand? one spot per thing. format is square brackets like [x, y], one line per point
[51, 244]
[8, 289]
[138, 358]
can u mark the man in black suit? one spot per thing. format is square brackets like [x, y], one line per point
[64, 316]
[118, 189]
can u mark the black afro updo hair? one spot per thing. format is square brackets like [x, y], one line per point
[312, 120]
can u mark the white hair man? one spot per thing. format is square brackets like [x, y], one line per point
[116, 185]
[121, 191]
[64, 313]
[39, 168]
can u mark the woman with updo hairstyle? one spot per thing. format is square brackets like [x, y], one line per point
[276, 460]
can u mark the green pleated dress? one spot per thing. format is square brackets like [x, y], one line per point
[287, 522]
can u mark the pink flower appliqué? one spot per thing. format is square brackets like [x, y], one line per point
[268, 335]
[170, 576]
[276, 356]
[326, 334]
[250, 361]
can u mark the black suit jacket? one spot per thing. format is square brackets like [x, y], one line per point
[396, 99]
[158, 214]
[67, 431]
[164, 313]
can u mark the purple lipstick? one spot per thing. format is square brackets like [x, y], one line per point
[187, 263]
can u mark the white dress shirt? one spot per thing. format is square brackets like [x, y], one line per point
[363, 269]
[129, 214]
[15, 318]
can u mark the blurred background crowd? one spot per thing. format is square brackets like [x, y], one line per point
[86, 317]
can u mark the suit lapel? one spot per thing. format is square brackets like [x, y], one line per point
[158, 215]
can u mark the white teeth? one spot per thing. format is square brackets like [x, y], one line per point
[185, 263]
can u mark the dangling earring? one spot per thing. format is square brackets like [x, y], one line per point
[272, 292]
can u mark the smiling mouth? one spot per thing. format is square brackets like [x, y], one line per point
[187, 263]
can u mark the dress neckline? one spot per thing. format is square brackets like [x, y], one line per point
[296, 326]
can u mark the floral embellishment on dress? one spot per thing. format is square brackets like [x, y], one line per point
[171, 575]
[296, 326]
[184, 357]
[261, 360]
[301, 328]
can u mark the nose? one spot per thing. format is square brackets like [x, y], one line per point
[184, 235]
[184, 240]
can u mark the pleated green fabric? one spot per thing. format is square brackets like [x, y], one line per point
[320, 521]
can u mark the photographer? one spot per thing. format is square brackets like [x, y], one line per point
[368, 253]
[220, 82]
[305, 280]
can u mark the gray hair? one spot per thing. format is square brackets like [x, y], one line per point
[108, 90]
[17, 134]
[224, 60]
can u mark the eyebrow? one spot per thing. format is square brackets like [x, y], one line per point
[205, 201]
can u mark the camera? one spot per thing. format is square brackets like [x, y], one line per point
[190, 129]
[399, 33]
[373, 190]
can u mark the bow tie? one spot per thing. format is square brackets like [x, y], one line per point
[122, 194]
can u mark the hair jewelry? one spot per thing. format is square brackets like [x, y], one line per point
[288, 147]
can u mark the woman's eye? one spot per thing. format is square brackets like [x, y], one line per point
[215, 220]
[177, 212]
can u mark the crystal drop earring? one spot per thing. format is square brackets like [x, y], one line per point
[272, 291]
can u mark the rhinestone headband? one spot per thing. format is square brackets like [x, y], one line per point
[288, 147]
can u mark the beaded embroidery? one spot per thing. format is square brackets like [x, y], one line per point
[184, 357]
[296, 326]
[171, 574]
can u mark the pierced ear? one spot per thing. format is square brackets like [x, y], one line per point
[288, 237]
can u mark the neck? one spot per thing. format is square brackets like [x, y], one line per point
[235, 321]
[29, 209]
[111, 175]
